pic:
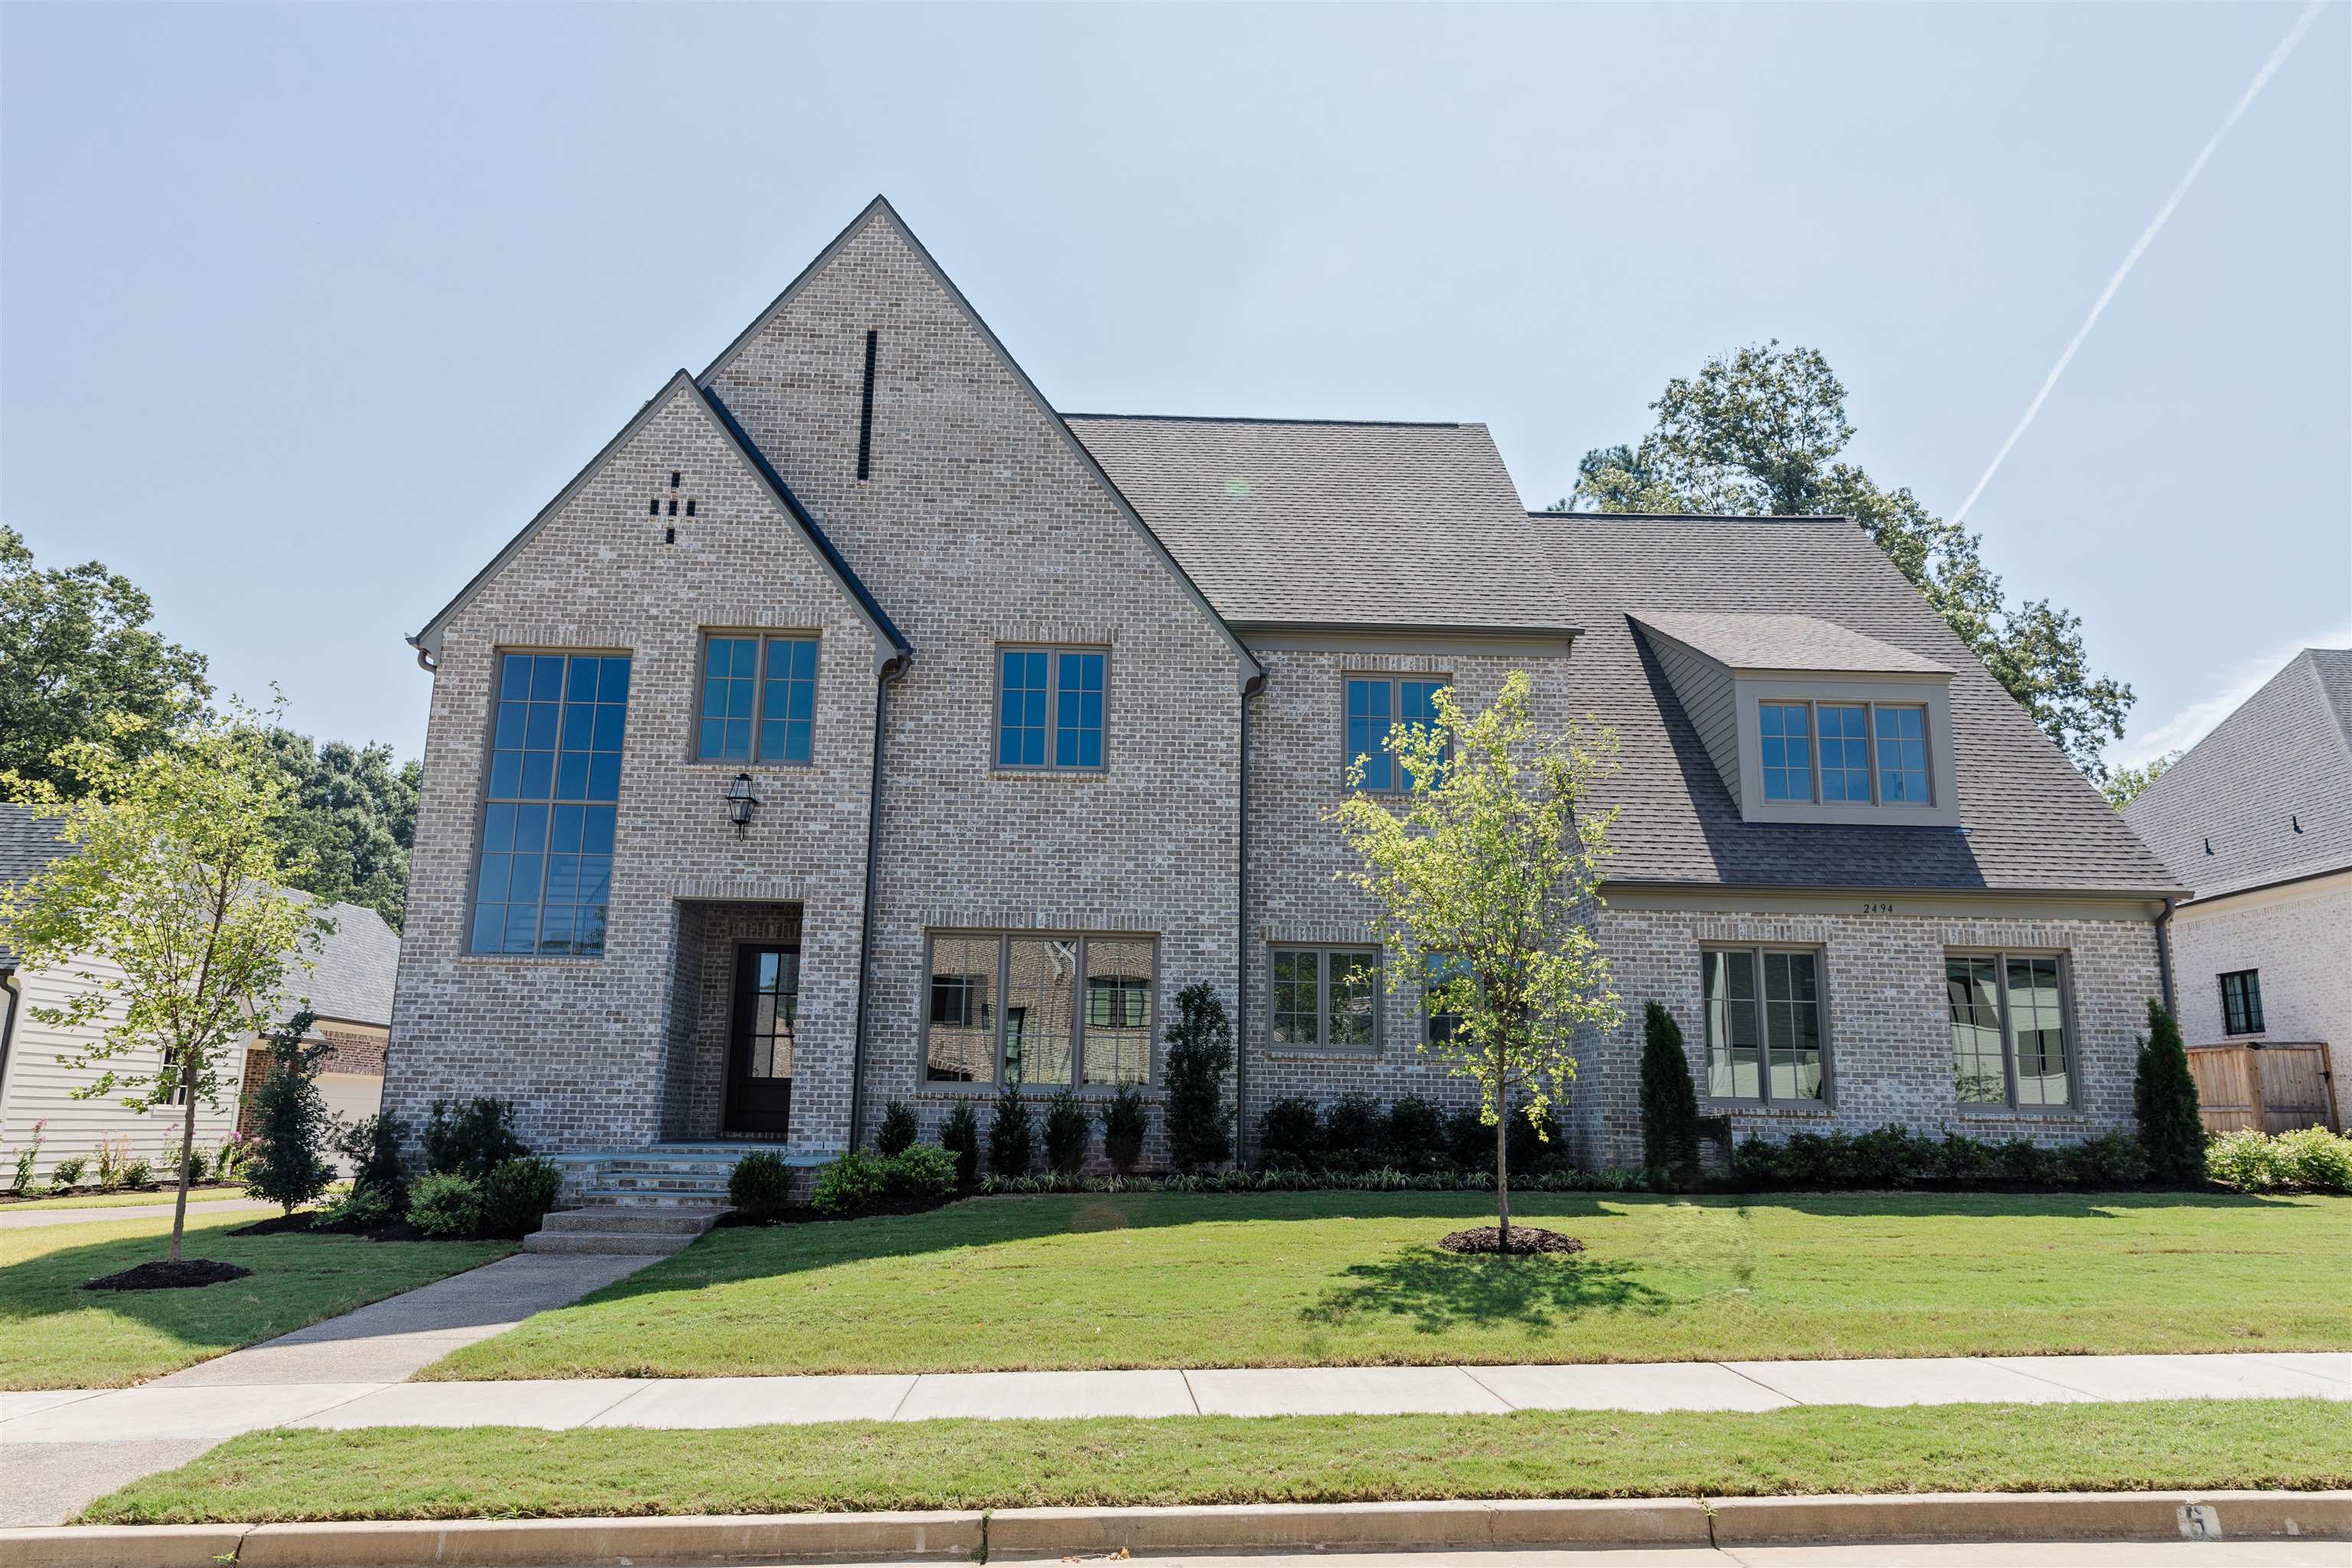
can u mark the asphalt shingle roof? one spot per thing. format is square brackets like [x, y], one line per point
[2033, 822]
[27, 843]
[1787, 642]
[1305, 522]
[2283, 759]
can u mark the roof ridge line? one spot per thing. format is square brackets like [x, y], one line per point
[1275, 420]
[1701, 516]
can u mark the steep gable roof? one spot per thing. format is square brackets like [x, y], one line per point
[2269, 790]
[1339, 523]
[427, 642]
[2029, 821]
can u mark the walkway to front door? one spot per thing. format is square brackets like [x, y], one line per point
[760, 1041]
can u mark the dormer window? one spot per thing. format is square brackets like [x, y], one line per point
[1834, 754]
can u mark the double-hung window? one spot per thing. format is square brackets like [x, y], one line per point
[1440, 970]
[1764, 1026]
[2008, 1029]
[759, 700]
[545, 871]
[1326, 998]
[1376, 704]
[1843, 754]
[1049, 707]
[2241, 1002]
[1074, 1009]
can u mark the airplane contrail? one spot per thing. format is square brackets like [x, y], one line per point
[2253, 89]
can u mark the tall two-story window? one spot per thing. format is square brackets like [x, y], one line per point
[2008, 1029]
[2241, 1002]
[758, 701]
[1376, 704]
[544, 877]
[1049, 707]
[1764, 1034]
[1040, 1010]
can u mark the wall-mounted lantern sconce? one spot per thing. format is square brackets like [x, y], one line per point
[741, 803]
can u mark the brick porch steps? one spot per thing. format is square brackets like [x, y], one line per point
[649, 1202]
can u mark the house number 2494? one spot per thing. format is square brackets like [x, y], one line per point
[1878, 908]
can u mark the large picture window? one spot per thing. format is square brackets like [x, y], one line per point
[1074, 1009]
[1376, 704]
[1049, 707]
[544, 877]
[1843, 754]
[1326, 998]
[2009, 1030]
[1764, 1026]
[758, 701]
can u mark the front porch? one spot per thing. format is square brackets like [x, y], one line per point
[740, 1048]
[656, 1199]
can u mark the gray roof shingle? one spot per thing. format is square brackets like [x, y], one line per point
[27, 843]
[1308, 522]
[1751, 642]
[2282, 760]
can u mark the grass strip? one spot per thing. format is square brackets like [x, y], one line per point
[512, 1472]
[119, 1199]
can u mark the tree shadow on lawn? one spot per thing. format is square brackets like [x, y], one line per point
[1443, 1291]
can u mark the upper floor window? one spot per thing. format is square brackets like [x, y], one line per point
[543, 880]
[2241, 1002]
[759, 700]
[1440, 970]
[1864, 753]
[1049, 708]
[2009, 1030]
[1764, 1034]
[1376, 703]
[1041, 1034]
[1326, 998]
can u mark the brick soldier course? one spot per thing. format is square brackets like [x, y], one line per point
[868, 466]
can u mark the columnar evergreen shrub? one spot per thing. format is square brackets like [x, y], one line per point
[515, 1195]
[1123, 1128]
[960, 1136]
[1289, 1134]
[2164, 1097]
[1413, 1138]
[898, 1128]
[445, 1204]
[761, 1185]
[1011, 1150]
[1068, 1129]
[1669, 1098]
[1200, 1055]
[287, 1163]
[471, 1137]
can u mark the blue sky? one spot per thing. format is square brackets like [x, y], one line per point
[303, 311]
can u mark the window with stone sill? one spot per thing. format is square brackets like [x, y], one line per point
[1050, 708]
[1766, 1037]
[2010, 1045]
[758, 700]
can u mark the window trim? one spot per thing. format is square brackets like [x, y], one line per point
[768, 636]
[1003, 937]
[467, 953]
[1813, 705]
[1053, 652]
[1321, 1044]
[2067, 1019]
[1397, 680]
[1763, 1098]
[2251, 995]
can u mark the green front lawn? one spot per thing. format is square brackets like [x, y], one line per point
[1344, 1278]
[54, 1335]
[504, 1472]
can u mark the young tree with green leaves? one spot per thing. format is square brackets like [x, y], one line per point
[2125, 785]
[1484, 880]
[172, 913]
[1758, 432]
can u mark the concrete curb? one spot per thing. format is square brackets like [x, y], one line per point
[1061, 1531]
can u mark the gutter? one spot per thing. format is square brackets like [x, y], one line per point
[8, 1021]
[2163, 924]
[891, 670]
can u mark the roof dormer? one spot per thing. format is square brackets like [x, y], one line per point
[1810, 722]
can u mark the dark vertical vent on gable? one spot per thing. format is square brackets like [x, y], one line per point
[865, 411]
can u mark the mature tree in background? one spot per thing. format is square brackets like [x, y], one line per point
[1757, 433]
[74, 648]
[2124, 785]
[351, 816]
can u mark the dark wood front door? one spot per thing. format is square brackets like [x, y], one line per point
[760, 1040]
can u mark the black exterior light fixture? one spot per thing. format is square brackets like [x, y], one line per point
[741, 804]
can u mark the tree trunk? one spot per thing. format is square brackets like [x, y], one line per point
[187, 1151]
[1503, 1167]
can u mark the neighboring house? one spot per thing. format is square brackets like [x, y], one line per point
[1043, 712]
[2256, 820]
[350, 989]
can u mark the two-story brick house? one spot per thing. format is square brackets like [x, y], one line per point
[1042, 713]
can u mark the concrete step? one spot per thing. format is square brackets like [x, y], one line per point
[610, 1221]
[607, 1243]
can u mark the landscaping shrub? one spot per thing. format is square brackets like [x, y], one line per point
[1011, 1146]
[445, 1204]
[1532, 1152]
[1123, 1128]
[287, 1166]
[112, 1151]
[1892, 1157]
[848, 1182]
[898, 1131]
[135, 1173]
[372, 1146]
[1669, 1099]
[2246, 1159]
[1469, 1140]
[2164, 1097]
[1068, 1130]
[2317, 1158]
[21, 1181]
[1289, 1135]
[761, 1185]
[1415, 1135]
[961, 1137]
[230, 1158]
[2256, 1162]
[362, 1209]
[919, 1170]
[1200, 1054]
[2109, 1160]
[66, 1172]
[515, 1195]
[471, 1137]
[1352, 1129]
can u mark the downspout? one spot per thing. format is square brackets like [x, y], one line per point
[2164, 957]
[8, 1022]
[892, 668]
[1250, 688]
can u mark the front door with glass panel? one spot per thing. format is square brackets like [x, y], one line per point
[760, 1042]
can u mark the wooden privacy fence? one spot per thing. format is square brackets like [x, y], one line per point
[2275, 1088]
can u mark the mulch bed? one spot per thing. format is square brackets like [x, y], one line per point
[183, 1275]
[1525, 1239]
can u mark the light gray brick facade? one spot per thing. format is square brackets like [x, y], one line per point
[2297, 936]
